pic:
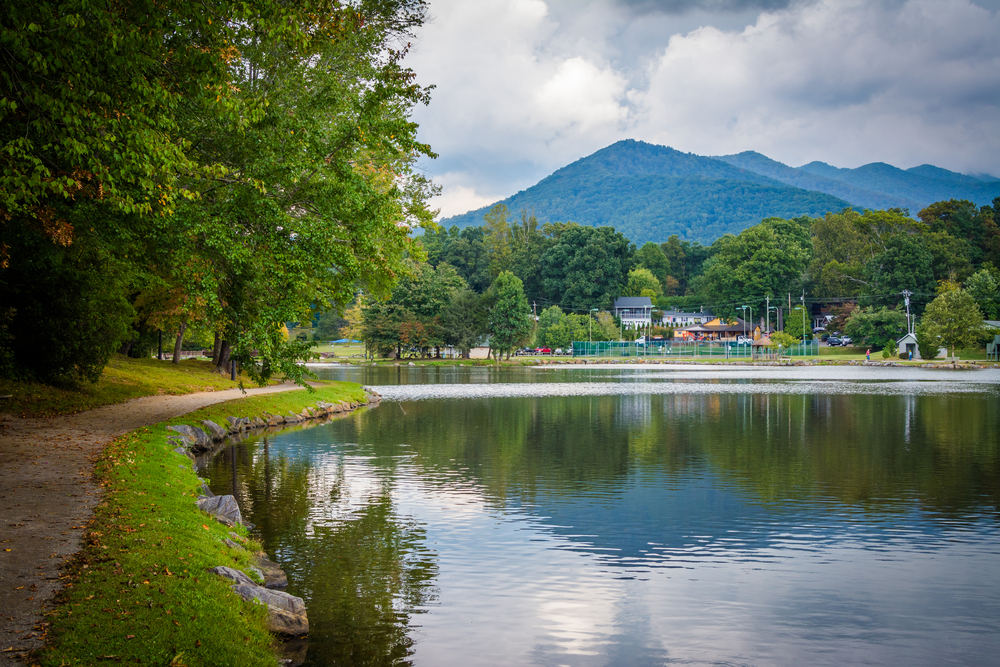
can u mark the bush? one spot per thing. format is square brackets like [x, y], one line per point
[928, 341]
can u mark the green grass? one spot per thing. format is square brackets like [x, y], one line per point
[139, 591]
[123, 380]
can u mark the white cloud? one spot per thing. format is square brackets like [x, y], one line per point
[845, 82]
[525, 86]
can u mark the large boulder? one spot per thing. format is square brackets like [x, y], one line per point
[216, 432]
[233, 575]
[224, 508]
[274, 576]
[193, 436]
[286, 614]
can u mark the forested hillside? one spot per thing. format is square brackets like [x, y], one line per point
[649, 192]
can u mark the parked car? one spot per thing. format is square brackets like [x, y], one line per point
[845, 341]
[816, 330]
[833, 341]
[543, 350]
[744, 340]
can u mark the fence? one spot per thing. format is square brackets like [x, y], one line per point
[686, 349]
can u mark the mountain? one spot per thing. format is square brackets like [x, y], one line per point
[819, 180]
[649, 192]
[923, 185]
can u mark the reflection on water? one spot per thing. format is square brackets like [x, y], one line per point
[734, 527]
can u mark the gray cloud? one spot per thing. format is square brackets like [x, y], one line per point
[683, 6]
[527, 86]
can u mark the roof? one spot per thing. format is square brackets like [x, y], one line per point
[740, 326]
[633, 302]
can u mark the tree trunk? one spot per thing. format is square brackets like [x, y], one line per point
[224, 352]
[217, 348]
[126, 346]
[177, 343]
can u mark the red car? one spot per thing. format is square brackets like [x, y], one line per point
[543, 350]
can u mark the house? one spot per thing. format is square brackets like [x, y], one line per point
[718, 329]
[908, 343]
[676, 318]
[634, 311]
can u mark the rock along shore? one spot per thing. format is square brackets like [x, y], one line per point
[286, 613]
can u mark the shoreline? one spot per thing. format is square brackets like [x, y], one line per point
[79, 482]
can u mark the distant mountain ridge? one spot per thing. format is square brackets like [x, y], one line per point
[649, 192]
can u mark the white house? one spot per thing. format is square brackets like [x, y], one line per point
[634, 311]
[676, 318]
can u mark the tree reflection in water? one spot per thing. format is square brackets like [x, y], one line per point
[345, 547]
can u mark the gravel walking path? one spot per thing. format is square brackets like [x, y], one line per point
[48, 495]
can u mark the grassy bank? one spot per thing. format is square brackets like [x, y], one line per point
[123, 380]
[139, 591]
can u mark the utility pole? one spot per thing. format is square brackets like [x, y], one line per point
[906, 298]
[767, 324]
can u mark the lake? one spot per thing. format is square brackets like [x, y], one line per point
[632, 515]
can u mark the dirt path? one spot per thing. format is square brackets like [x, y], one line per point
[47, 496]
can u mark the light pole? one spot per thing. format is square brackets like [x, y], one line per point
[591, 341]
[769, 309]
[745, 309]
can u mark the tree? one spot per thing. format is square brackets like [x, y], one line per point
[329, 325]
[928, 340]
[984, 289]
[903, 264]
[605, 327]
[766, 259]
[650, 256]
[955, 318]
[509, 315]
[261, 160]
[498, 239]
[686, 261]
[876, 328]
[641, 280]
[586, 266]
[467, 253]
[528, 246]
[798, 324]
[464, 321]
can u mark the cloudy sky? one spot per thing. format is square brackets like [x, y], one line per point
[524, 87]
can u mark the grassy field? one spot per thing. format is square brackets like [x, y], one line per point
[139, 592]
[123, 379]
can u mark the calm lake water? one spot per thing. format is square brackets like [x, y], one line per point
[640, 516]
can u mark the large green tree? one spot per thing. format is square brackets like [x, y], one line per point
[464, 321]
[877, 328]
[256, 157]
[586, 267]
[954, 318]
[509, 314]
[767, 259]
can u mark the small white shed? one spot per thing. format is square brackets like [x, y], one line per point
[909, 342]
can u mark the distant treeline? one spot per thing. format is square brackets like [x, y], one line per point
[864, 263]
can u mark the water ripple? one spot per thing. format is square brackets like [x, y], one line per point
[478, 391]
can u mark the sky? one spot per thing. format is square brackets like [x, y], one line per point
[524, 87]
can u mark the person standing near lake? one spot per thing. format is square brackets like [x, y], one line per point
[868, 354]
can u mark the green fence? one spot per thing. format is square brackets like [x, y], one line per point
[683, 350]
